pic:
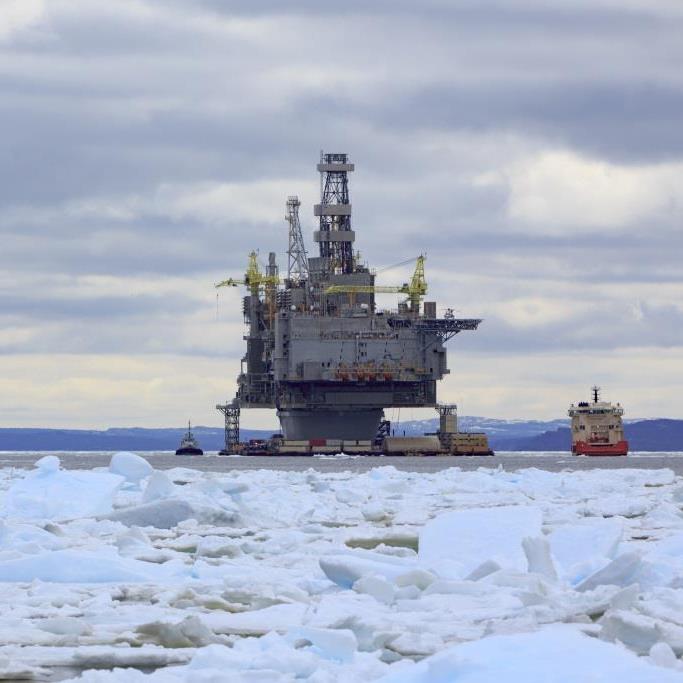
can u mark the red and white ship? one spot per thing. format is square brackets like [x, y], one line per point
[597, 427]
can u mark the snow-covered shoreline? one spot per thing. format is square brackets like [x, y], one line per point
[383, 575]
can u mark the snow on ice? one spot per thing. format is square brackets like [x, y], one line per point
[399, 577]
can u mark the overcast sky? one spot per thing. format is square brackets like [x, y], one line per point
[533, 151]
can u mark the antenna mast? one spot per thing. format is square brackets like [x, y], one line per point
[297, 265]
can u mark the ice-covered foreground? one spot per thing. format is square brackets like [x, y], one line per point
[463, 577]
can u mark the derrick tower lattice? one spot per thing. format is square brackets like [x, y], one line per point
[231, 411]
[297, 265]
[335, 235]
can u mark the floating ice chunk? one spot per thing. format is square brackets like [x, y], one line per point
[345, 570]
[190, 632]
[663, 564]
[270, 656]
[384, 473]
[374, 512]
[638, 632]
[65, 626]
[133, 542]
[336, 644]
[620, 506]
[670, 547]
[349, 496]
[48, 463]
[483, 570]
[555, 653]
[377, 586]
[161, 514]
[158, 486]
[455, 543]
[408, 593]
[415, 577]
[625, 598]
[108, 656]
[539, 560]
[619, 572]
[666, 516]
[233, 488]
[218, 546]
[576, 547]
[27, 538]
[16, 671]
[257, 622]
[661, 654]
[416, 645]
[50, 493]
[130, 466]
[73, 566]
[170, 512]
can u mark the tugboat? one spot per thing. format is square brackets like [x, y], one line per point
[189, 445]
[597, 427]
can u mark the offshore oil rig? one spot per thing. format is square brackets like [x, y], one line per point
[322, 353]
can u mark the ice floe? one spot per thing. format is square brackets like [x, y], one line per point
[51, 493]
[130, 466]
[455, 543]
[550, 654]
[386, 575]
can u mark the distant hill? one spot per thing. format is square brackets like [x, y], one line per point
[504, 435]
[115, 439]
[495, 428]
[645, 435]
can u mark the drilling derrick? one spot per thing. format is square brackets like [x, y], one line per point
[335, 235]
[318, 350]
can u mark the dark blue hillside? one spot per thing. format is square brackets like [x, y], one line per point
[645, 435]
[134, 439]
[515, 435]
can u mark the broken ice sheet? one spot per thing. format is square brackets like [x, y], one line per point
[284, 576]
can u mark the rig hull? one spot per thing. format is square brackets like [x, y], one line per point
[330, 424]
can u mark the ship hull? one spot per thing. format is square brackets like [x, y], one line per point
[189, 451]
[330, 424]
[585, 448]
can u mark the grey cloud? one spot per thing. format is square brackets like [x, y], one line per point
[632, 122]
[108, 108]
[591, 332]
[473, 12]
[103, 122]
[92, 308]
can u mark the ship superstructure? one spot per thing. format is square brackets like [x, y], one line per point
[597, 427]
[319, 350]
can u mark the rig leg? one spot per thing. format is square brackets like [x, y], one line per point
[231, 412]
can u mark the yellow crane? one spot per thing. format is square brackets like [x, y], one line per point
[253, 278]
[415, 289]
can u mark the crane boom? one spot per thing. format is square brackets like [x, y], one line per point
[365, 289]
[415, 289]
[253, 278]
